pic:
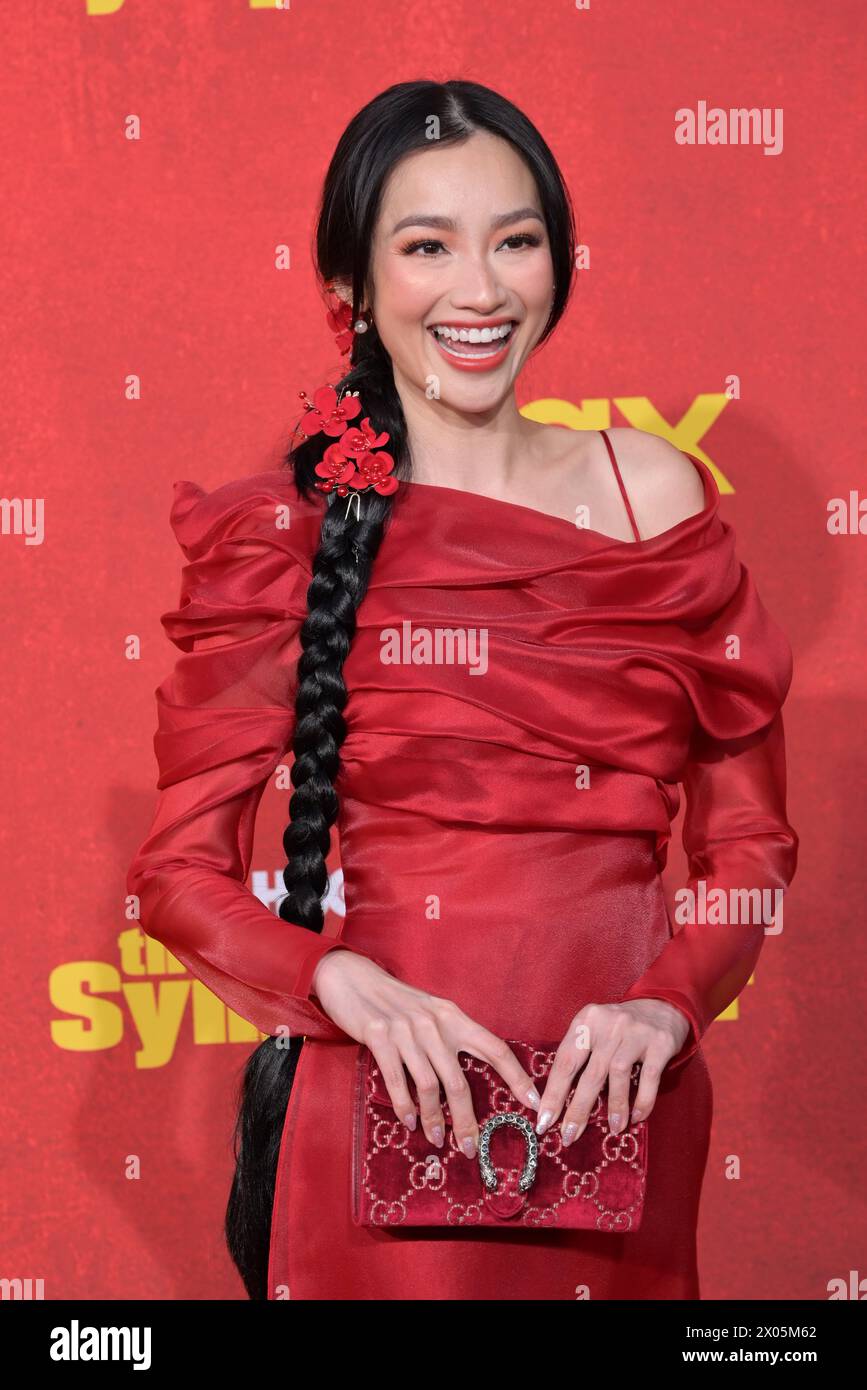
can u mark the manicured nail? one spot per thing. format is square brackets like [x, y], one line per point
[409, 1121]
[544, 1120]
[569, 1133]
[614, 1123]
[534, 1098]
[637, 1115]
[438, 1135]
[469, 1146]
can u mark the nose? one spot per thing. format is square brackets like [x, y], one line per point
[478, 288]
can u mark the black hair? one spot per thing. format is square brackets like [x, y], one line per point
[406, 117]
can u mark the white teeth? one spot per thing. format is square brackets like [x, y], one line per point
[447, 336]
[475, 355]
[471, 335]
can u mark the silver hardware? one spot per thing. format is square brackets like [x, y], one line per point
[520, 1122]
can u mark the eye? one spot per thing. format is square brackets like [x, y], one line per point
[526, 238]
[522, 238]
[416, 245]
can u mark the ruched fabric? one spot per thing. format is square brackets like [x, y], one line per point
[526, 700]
[225, 721]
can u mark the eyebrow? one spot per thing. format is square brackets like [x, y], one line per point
[447, 224]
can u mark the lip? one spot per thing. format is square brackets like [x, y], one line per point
[472, 364]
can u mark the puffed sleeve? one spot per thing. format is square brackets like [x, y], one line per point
[225, 722]
[737, 838]
[736, 833]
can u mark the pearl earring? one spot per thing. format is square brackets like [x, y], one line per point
[360, 325]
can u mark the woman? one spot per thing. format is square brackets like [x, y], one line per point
[503, 820]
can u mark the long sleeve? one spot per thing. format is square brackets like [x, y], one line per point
[737, 839]
[226, 717]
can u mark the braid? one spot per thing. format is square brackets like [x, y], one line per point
[326, 637]
[341, 571]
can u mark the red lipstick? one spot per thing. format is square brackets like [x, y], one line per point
[482, 360]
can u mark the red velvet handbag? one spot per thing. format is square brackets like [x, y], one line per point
[518, 1178]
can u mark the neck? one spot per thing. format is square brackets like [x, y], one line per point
[483, 451]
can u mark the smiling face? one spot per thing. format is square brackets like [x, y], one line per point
[461, 271]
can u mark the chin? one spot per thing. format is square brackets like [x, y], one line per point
[474, 399]
[470, 391]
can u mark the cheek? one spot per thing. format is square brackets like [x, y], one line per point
[533, 281]
[404, 294]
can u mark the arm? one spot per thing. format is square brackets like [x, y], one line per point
[226, 717]
[736, 836]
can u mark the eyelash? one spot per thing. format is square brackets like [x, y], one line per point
[528, 238]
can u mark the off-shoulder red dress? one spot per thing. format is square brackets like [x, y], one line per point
[648, 663]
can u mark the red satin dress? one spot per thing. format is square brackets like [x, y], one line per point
[480, 863]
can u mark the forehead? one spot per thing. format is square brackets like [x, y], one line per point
[468, 181]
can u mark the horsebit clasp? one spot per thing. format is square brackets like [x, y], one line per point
[531, 1163]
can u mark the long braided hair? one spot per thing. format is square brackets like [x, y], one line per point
[406, 117]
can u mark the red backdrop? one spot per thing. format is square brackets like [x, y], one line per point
[720, 307]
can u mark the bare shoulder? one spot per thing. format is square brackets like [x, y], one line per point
[664, 487]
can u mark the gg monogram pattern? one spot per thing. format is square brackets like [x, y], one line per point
[400, 1179]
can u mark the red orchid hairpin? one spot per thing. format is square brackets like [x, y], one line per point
[351, 463]
[349, 466]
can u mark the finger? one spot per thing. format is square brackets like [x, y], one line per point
[427, 1087]
[587, 1091]
[619, 1074]
[390, 1063]
[652, 1066]
[447, 1066]
[570, 1057]
[485, 1046]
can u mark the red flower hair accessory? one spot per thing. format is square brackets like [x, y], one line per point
[325, 414]
[363, 473]
[340, 321]
[350, 466]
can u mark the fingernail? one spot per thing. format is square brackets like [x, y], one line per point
[469, 1146]
[569, 1133]
[544, 1120]
[438, 1135]
[534, 1098]
[614, 1123]
[409, 1121]
[637, 1115]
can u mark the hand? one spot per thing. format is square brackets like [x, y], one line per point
[406, 1027]
[614, 1037]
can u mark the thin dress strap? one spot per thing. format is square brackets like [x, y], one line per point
[620, 483]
